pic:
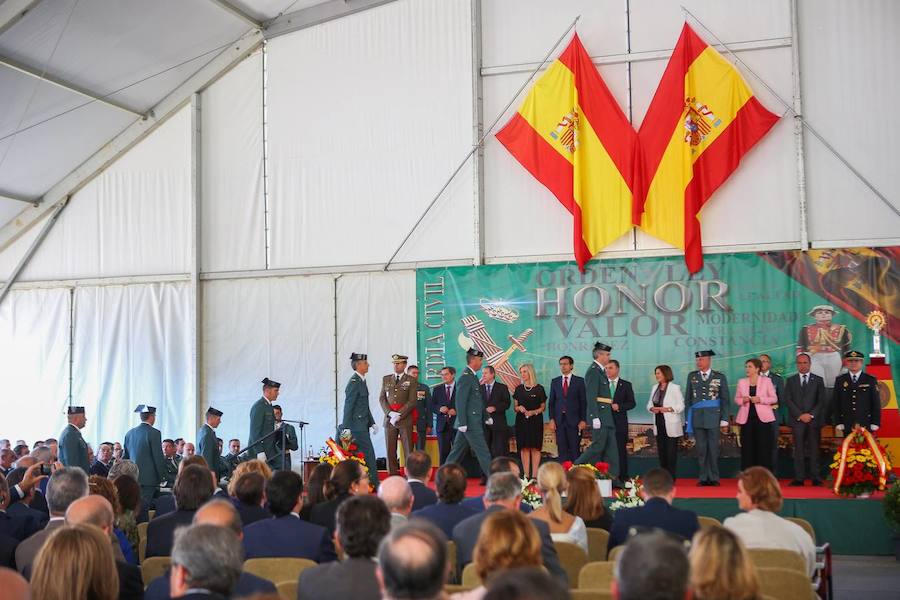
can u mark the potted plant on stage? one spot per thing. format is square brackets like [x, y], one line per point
[600, 471]
[891, 504]
[860, 466]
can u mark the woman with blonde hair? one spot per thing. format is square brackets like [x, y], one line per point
[584, 499]
[75, 563]
[564, 526]
[506, 541]
[721, 568]
[250, 466]
[529, 400]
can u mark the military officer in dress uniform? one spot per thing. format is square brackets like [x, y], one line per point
[423, 414]
[398, 400]
[73, 450]
[705, 397]
[470, 415]
[599, 414]
[207, 446]
[262, 421]
[825, 342]
[289, 437]
[172, 462]
[143, 445]
[357, 415]
[856, 397]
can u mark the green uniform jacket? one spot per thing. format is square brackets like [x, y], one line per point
[596, 385]
[469, 401]
[357, 416]
[262, 422]
[208, 448]
[73, 449]
[143, 445]
[715, 387]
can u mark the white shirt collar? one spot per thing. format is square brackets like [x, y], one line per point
[856, 374]
[764, 373]
[599, 365]
[615, 381]
[706, 373]
[363, 377]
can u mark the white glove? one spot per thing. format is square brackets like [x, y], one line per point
[394, 415]
[490, 421]
[394, 421]
[463, 428]
[841, 427]
[723, 423]
[373, 429]
[873, 427]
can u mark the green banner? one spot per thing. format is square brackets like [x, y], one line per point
[652, 312]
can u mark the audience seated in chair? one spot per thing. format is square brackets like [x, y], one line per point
[418, 471]
[759, 495]
[287, 535]
[315, 489]
[564, 527]
[76, 563]
[397, 495]
[657, 512]
[250, 493]
[206, 563]
[721, 567]
[348, 478]
[449, 511]
[412, 563]
[362, 522]
[584, 499]
[526, 584]
[166, 503]
[193, 488]
[652, 565]
[501, 464]
[21, 508]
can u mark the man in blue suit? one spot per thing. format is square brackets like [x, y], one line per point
[443, 406]
[192, 489]
[286, 535]
[657, 512]
[567, 410]
[449, 511]
[622, 395]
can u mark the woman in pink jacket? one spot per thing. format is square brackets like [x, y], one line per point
[755, 396]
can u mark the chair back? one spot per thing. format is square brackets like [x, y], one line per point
[278, 569]
[142, 541]
[777, 557]
[596, 576]
[455, 589]
[598, 540]
[615, 552]
[470, 577]
[151, 514]
[590, 595]
[707, 522]
[806, 525]
[287, 590]
[451, 559]
[785, 584]
[153, 567]
[572, 559]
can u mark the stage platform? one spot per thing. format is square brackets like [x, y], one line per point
[850, 525]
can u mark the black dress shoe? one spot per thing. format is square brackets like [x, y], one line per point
[482, 481]
[797, 483]
[702, 483]
[715, 483]
[817, 482]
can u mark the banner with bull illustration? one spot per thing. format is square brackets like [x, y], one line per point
[652, 312]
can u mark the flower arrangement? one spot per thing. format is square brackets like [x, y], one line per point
[334, 452]
[531, 495]
[629, 496]
[600, 470]
[860, 465]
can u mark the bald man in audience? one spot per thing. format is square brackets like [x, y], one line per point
[97, 511]
[220, 513]
[412, 562]
[398, 496]
[13, 585]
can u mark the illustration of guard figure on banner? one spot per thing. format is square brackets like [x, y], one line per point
[826, 342]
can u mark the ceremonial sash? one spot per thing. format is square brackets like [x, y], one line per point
[702, 404]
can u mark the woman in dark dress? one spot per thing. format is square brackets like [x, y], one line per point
[349, 478]
[529, 400]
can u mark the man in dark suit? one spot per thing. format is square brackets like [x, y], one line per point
[143, 445]
[103, 462]
[73, 450]
[856, 397]
[418, 471]
[97, 511]
[220, 513]
[362, 522]
[778, 408]
[657, 512]
[171, 461]
[424, 418]
[496, 403]
[30, 483]
[804, 396]
[250, 490]
[504, 492]
[288, 438]
[21, 508]
[567, 410]
[623, 400]
[8, 546]
[206, 563]
[7, 458]
[443, 406]
[449, 511]
[193, 488]
[287, 535]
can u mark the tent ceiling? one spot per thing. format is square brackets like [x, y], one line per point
[130, 52]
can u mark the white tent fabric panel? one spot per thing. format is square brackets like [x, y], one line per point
[385, 95]
[282, 328]
[233, 209]
[850, 59]
[132, 346]
[133, 219]
[34, 363]
[376, 316]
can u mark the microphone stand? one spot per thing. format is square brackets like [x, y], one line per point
[302, 441]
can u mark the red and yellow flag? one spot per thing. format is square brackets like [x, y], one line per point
[701, 122]
[571, 135]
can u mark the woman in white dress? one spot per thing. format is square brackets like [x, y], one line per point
[667, 405]
[564, 527]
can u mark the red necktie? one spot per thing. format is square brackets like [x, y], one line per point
[565, 386]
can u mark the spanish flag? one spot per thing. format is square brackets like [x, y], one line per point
[701, 122]
[571, 135]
